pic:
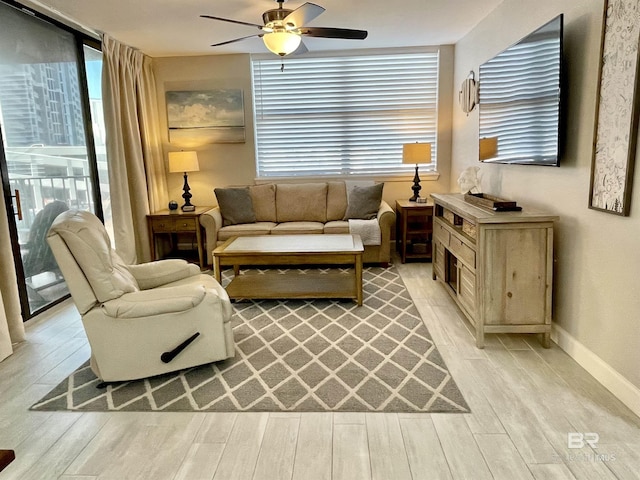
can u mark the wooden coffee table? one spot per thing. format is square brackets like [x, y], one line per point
[271, 250]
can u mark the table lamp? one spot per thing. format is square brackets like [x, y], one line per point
[184, 162]
[416, 153]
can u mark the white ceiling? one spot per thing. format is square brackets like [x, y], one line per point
[174, 28]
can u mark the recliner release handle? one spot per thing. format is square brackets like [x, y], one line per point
[167, 357]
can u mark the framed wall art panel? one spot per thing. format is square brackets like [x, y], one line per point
[209, 116]
[616, 126]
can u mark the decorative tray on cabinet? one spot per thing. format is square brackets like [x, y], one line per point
[496, 204]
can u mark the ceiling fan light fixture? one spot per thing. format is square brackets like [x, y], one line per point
[282, 43]
[283, 29]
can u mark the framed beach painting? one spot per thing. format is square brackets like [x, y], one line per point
[206, 116]
[616, 127]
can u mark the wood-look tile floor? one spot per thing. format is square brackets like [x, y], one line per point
[526, 402]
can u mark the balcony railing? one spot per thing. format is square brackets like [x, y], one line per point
[36, 192]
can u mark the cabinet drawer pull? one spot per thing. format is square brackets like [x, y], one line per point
[185, 225]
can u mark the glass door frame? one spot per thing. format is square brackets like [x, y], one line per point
[12, 207]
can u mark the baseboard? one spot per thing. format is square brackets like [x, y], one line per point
[622, 388]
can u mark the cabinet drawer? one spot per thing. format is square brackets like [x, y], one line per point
[185, 224]
[469, 228]
[462, 251]
[163, 225]
[441, 234]
[448, 216]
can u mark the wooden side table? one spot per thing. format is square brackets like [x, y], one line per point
[414, 228]
[167, 226]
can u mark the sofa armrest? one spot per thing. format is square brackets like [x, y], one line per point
[386, 218]
[158, 273]
[211, 221]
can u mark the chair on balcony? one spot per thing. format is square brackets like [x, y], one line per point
[141, 320]
[37, 257]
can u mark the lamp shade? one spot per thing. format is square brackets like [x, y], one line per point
[488, 148]
[282, 43]
[183, 162]
[416, 153]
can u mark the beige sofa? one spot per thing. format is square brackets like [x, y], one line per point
[299, 208]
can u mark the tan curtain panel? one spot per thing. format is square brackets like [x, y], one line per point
[136, 168]
[11, 326]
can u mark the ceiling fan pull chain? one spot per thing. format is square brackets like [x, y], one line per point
[282, 65]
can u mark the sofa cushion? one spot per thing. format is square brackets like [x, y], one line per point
[364, 202]
[235, 205]
[297, 228]
[336, 200]
[244, 230]
[264, 202]
[302, 202]
[336, 226]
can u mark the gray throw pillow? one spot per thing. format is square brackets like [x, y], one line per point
[235, 205]
[364, 202]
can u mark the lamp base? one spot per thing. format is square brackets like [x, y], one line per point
[187, 207]
[416, 187]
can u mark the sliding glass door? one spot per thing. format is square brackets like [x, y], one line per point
[49, 159]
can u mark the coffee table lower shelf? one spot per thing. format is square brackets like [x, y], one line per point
[295, 285]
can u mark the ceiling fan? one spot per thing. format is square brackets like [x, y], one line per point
[283, 29]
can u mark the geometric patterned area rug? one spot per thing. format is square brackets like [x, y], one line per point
[298, 355]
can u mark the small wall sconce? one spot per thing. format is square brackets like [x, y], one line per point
[468, 95]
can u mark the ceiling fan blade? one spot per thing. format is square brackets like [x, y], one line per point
[237, 39]
[327, 32]
[302, 48]
[303, 14]
[233, 21]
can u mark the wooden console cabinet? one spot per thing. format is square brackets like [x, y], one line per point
[497, 266]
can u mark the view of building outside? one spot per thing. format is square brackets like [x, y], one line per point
[44, 139]
[44, 135]
[93, 65]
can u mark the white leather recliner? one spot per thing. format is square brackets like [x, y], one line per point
[141, 320]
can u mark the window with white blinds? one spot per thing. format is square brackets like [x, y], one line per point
[343, 115]
[520, 98]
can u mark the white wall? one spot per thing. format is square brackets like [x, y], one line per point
[220, 164]
[596, 292]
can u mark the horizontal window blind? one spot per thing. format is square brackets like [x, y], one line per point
[520, 100]
[344, 115]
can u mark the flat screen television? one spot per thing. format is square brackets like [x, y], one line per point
[520, 96]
